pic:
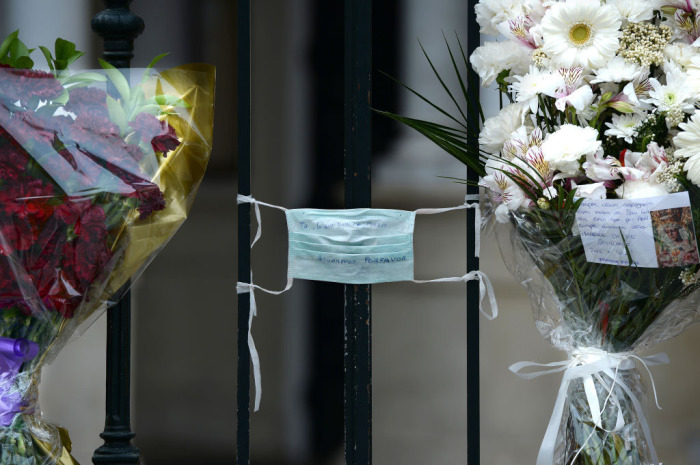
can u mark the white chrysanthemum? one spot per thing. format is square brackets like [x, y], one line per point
[680, 52]
[687, 141]
[619, 70]
[692, 73]
[526, 88]
[675, 94]
[581, 33]
[623, 126]
[498, 130]
[563, 148]
[633, 11]
[491, 58]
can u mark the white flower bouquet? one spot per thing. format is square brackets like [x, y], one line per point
[592, 175]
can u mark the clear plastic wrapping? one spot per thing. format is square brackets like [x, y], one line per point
[98, 169]
[601, 316]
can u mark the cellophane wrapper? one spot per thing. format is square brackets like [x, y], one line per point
[589, 310]
[98, 170]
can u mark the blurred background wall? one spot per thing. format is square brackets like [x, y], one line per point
[185, 304]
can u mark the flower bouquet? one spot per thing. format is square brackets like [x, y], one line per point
[97, 171]
[592, 176]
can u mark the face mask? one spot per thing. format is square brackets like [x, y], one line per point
[357, 246]
[360, 246]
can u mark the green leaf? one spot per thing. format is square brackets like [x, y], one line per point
[64, 49]
[19, 55]
[157, 59]
[23, 62]
[63, 99]
[74, 57]
[169, 100]
[47, 55]
[5, 46]
[116, 113]
[86, 77]
[118, 80]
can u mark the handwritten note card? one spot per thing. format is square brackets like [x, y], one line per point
[615, 230]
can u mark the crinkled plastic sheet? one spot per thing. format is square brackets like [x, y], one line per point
[97, 172]
[591, 310]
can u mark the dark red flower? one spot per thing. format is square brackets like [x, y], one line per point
[91, 226]
[87, 102]
[13, 161]
[90, 260]
[23, 84]
[165, 142]
[159, 134]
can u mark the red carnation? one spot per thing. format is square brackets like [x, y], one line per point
[13, 161]
[23, 84]
[160, 134]
[87, 102]
[91, 224]
[89, 260]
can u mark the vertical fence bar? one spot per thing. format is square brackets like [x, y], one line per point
[473, 381]
[118, 27]
[244, 144]
[358, 160]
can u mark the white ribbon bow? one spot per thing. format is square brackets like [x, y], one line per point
[589, 363]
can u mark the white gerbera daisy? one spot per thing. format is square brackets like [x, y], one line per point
[687, 141]
[633, 11]
[623, 126]
[618, 70]
[563, 148]
[498, 130]
[581, 33]
[493, 57]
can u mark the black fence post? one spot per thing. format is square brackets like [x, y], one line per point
[358, 161]
[473, 376]
[118, 27]
[244, 145]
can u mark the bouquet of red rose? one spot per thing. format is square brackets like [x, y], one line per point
[96, 174]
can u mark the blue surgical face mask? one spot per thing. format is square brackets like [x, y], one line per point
[360, 246]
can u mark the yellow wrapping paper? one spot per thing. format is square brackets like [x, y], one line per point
[178, 176]
[66, 458]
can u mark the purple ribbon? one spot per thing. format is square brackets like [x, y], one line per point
[13, 353]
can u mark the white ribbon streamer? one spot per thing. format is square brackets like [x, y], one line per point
[484, 289]
[242, 288]
[249, 199]
[466, 205]
[586, 363]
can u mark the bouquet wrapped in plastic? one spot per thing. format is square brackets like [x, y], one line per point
[98, 169]
[592, 174]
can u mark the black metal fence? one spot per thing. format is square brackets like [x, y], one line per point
[358, 158]
[118, 27]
